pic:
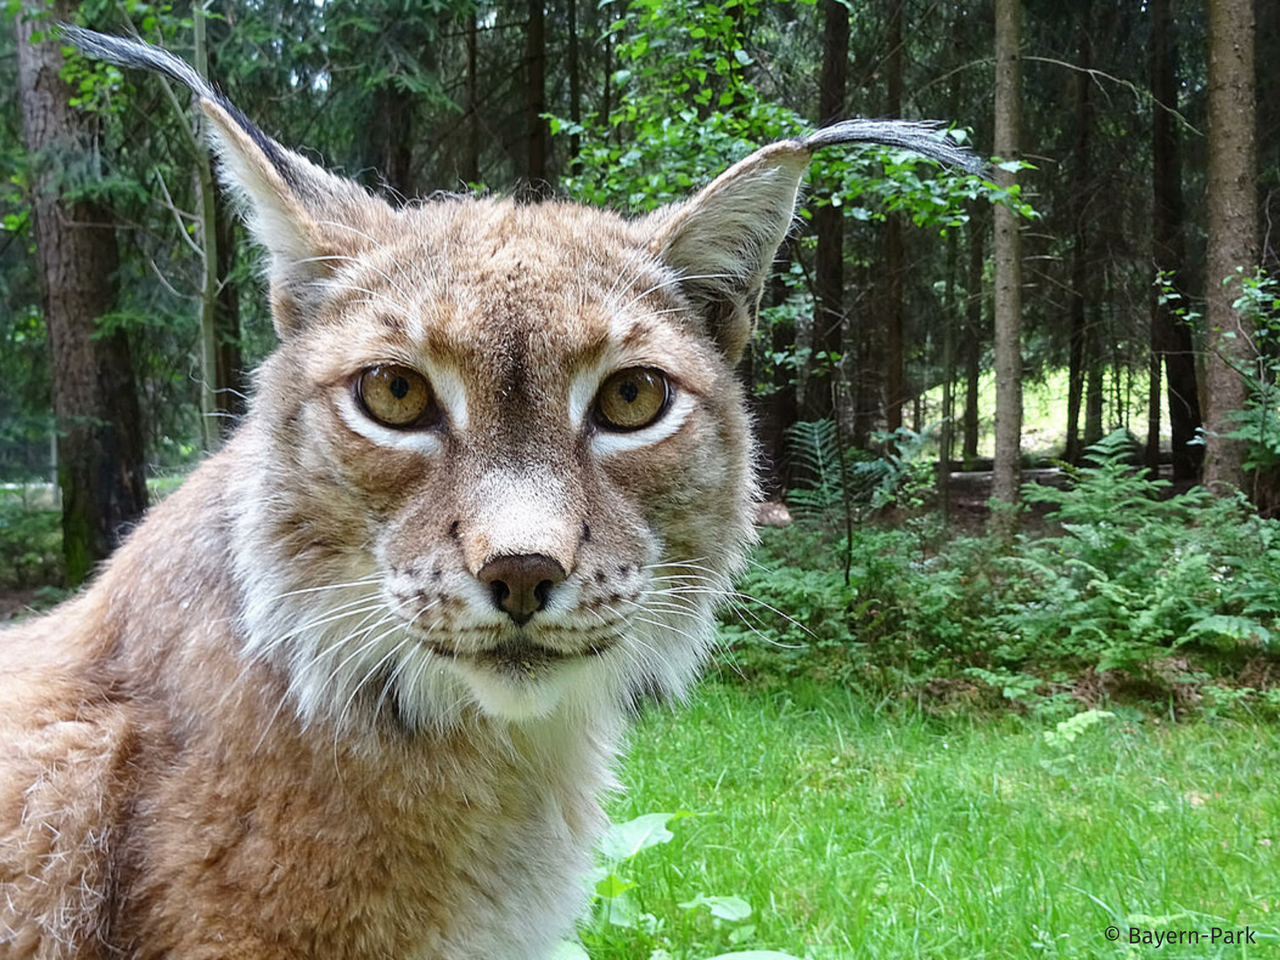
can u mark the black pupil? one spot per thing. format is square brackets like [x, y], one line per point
[629, 391]
[399, 387]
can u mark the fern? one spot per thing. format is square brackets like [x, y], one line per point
[816, 455]
[873, 481]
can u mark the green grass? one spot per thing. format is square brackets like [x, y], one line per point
[857, 833]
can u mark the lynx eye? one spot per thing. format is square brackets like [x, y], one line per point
[632, 398]
[395, 396]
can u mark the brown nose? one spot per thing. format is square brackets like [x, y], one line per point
[521, 583]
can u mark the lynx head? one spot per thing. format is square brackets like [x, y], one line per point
[499, 463]
[512, 432]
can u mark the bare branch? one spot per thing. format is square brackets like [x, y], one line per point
[178, 215]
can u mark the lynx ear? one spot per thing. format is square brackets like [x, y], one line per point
[305, 217]
[723, 240]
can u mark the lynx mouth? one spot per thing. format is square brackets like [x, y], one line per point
[522, 655]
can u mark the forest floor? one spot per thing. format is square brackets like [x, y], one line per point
[970, 490]
[16, 602]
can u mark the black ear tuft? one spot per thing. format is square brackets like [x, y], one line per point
[144, 56]
[723, 240]
[306, 217]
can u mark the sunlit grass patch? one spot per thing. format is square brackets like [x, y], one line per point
[857, 833]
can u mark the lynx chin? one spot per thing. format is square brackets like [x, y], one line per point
[354, 690]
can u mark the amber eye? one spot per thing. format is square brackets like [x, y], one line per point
[395, 396]
[631, 399]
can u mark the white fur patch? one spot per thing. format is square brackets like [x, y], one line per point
[582, 393]
[523, 511]
[450, 391]
[606, 443]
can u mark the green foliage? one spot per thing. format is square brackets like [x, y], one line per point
[895, 185]
[816, 457]
[1126, 579]
[896, 475]
[1067, 731]
[689, 104]
[684, 107]
[1133, 575]
[1258, 425]
[625, 912]
[30, 544]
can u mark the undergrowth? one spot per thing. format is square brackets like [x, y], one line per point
[1171, 601]
[30, 545]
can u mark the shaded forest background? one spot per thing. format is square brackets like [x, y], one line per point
[1088, 270]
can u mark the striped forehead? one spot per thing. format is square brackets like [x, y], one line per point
[506, 316]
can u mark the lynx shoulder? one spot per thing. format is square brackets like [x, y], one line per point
[353, 691]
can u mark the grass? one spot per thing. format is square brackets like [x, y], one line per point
[854, 832]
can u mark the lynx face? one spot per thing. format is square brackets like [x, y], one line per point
[512, 438]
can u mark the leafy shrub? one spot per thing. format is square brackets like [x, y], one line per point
[1258, 425]
[1134, 574]
[1126, 579]
[30, 545]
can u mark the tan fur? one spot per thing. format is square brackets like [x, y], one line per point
[288, 720]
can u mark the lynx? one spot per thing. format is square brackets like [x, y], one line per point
[354, 690]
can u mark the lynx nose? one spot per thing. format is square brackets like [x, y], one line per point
[521, 583]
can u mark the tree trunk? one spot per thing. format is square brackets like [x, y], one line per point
[606, 88]
[536, 100]
[389, 144]
[1267, 39]
[950, 321]
[866, 385]
[973, 334]
[1008, 270]
[1075, 376]
[828, 272]
[1232, 229]
[232, 385]
[575, 90]
[100, 466]
[1171, 337]
[780, 408]
[471, 156]
[894, 348]
[1080, 181]
[210, 427]
[896, 365]
[1095, 371]
[952, 315]
[1152, 455]
[230, 396]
